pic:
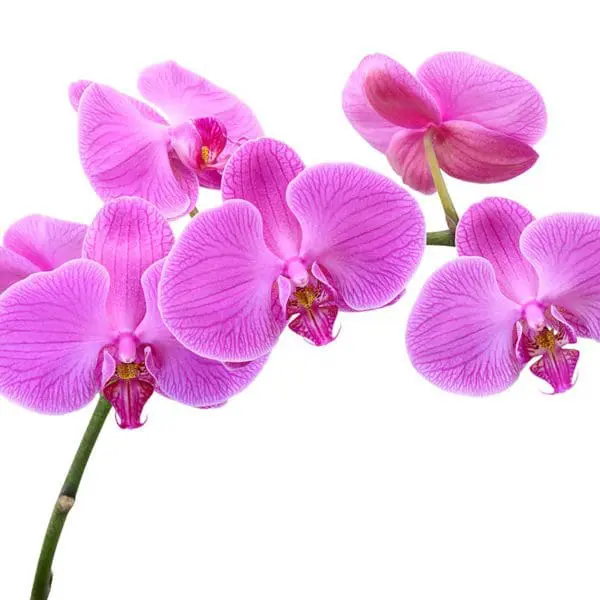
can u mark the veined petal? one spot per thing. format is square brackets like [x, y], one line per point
[13, 268]
[183, 95]
[468, 88]
[557, 368]
[471, 152]
[126, 153]
[406, 154]
[363, 229]
[396, 94]
[260, 172]
[362, 116]
[492, 229]
[218, 294]
[179, 373]
[53, 327]
[126, 237]
[76, 90]
[46, 242]
[564, 250]
[460, 332]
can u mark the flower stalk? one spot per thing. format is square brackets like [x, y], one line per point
[66, 499]
[440, 184]
[441, 238]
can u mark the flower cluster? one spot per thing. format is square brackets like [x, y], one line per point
[123, 309]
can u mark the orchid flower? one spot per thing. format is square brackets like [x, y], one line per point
[38, 243]
[92, 325]
[480, 119]
[289, 244]
[521, 290]
[128, 149]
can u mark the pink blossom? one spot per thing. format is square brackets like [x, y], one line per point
[38, 243]
[481, 118]
[128, 149]
[289, 244]
[521, 290]
[92, 325]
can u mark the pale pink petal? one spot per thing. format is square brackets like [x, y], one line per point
[218, 294]
[406, 154]
[492, 229]
[126, 237]
[125, 153]
[364, 230]
[397, 95]
[460, 332]
[76, 90]
[183, 95]
[46, 242]
[260, 172]
[53, 327]
[470, 89]
[565, 251]
[180, 374]
[470, 152]
[362, 116]
[13, 268]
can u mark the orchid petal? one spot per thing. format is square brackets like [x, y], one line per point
[564, 250]
[180, 374]
[406, 154]
[471, 152]
[126, 153]
[492, 229]
[376, 130]
[13, 268]
[260, 172]
[557, 368]
[183, 95]
[217, 294]
[363, 229]
[53, 327]
[460, 332]
[46, 242]
[397, 95]
[468, 88]
[76, 90]
[126, 237]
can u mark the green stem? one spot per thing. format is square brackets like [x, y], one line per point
[440, 184]
[441, 238]
[66, 499]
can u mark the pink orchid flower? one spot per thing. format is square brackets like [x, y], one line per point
[289, 244]
[93, 325]
[128, 149]
[482, 119]
[522, 290]
[38, 243]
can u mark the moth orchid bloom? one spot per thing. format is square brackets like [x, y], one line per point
[522, 290]
[289, 244]
[93, 325]
[129, 149]
[38, 243]
[480, 118]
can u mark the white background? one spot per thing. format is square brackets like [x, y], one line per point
[340, 474]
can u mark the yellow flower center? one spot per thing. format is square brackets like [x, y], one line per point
[128, 370]
[306, 296]
[546, 339]
[204, 154]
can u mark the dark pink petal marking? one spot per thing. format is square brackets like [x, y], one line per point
[557, 368]
[406, 154]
